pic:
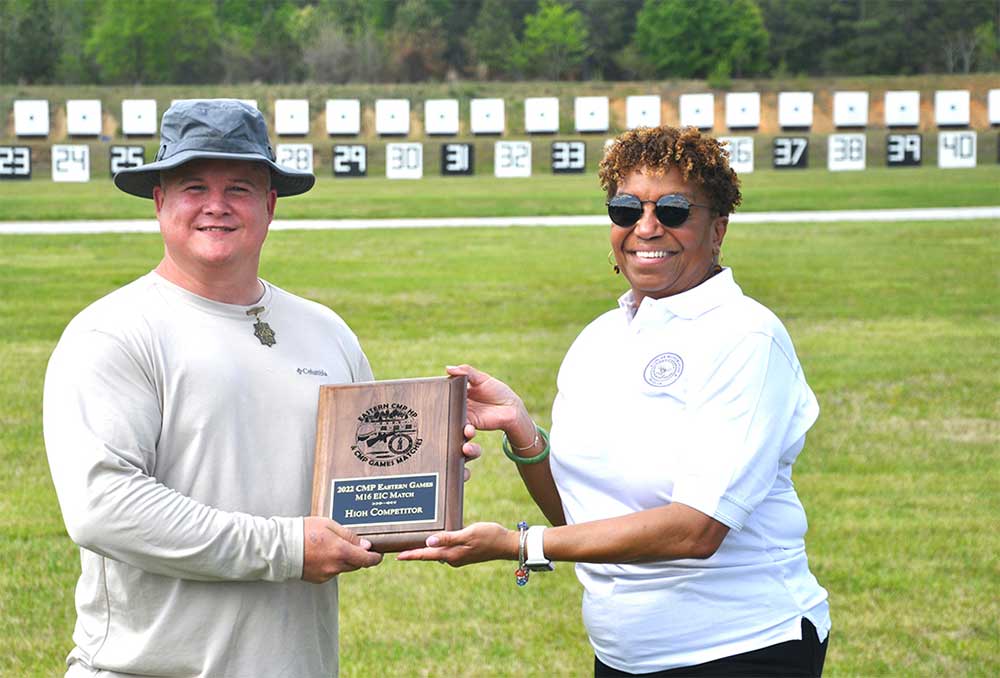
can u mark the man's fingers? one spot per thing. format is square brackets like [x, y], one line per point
[347, 534]
[363, 558]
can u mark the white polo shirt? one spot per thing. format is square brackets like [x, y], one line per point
[696, 398]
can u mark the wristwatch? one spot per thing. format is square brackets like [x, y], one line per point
[536, 560]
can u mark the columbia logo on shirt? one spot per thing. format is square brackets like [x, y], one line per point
[312, 372]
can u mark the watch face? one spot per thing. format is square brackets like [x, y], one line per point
[546, 566]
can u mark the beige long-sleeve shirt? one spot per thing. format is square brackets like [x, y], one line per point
[181, 448]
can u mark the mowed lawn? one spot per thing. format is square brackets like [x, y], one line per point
[543, 194]
[896, 326]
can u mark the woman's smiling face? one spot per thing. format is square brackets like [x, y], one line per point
[659, 261]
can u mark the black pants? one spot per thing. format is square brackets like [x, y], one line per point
[792, 658]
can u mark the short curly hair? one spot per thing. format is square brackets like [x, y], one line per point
[700, 159]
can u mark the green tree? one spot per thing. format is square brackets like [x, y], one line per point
[263, 39]
[28, 46]
[150, 41]
[610, 24]
[492, 40]
[555, 41]
[347, 42]
[859, 37]
[988, 45]
[73, 21]
[418, 40]
[358, 17]
[683, 39]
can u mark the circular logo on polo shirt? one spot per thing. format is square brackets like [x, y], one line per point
[663, 370]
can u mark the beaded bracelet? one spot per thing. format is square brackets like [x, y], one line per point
[541, 456]
[521, 573]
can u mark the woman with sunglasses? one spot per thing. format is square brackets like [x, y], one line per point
[679, 414]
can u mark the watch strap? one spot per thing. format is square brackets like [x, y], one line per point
[534, 546]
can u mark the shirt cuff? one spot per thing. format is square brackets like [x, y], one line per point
[732, 513]
[293, 535]
[728, 511]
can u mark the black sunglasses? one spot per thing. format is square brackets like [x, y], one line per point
[672, 210]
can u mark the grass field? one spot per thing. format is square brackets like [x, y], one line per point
[896, 326]
[546, 194]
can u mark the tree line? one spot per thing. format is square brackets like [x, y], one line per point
[341, 41]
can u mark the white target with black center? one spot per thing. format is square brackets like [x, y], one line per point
[441, 117]
[139, 117]
[795, 110]
[541, 115]
[993, 106]
[343, 117]
[850, 109]
[743, 110]
[951, 108]
[591, 114]
[291, 117]
[902, 108]
[83, 117]
[698, 110]
[31, 118]
[392, 117]
[642, 111]
[486, 116]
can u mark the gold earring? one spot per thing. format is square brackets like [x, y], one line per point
[614, 264]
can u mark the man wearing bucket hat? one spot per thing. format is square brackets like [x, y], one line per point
[179, 419]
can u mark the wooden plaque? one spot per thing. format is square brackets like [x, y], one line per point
[389, 461]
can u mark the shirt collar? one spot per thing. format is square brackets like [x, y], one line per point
[689, 304]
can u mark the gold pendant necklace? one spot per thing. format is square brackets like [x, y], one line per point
[261, 329]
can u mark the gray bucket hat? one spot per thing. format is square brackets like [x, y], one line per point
[212, 128]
